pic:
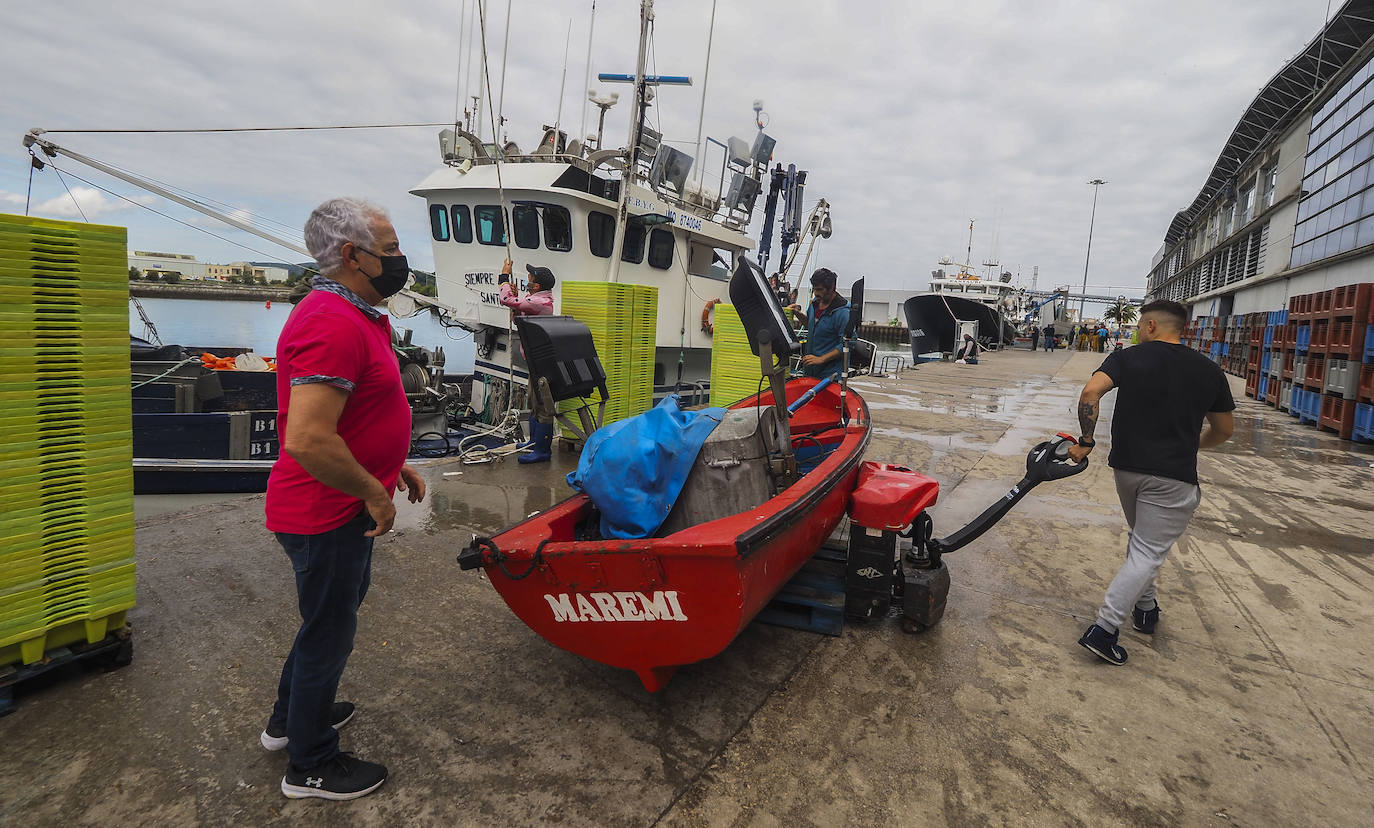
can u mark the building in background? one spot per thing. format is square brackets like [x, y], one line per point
[1288, 208]
[149, 262]
[186, 265]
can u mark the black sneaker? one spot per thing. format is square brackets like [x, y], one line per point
[343, 777]
[1103, 644]
[274, 736]
[1145, 620]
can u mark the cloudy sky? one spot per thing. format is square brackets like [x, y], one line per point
[912, 117]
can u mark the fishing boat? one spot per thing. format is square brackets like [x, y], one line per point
[648, 214]
[961, 302]
[205, 418]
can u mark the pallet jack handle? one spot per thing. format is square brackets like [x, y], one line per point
[1047, 461]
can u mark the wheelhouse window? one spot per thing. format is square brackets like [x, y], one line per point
[462, 223]
[438, 222]
[704, 260]
[525, 222]
[632, 250]
[491, 225]
[557, 228]
[601, 233]
[660, 248]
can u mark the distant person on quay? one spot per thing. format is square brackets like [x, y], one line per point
[346, 430]
[1102, 339]
[538, 301]
[827, 317]
[1035, 337]
[1049, 338]
[967, 354]
[1166, 392]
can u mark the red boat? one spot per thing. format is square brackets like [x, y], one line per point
[680, 596]
[654, 604]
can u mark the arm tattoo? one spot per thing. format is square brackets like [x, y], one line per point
[1087, 418]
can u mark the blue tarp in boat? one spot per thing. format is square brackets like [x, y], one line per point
[634, 469]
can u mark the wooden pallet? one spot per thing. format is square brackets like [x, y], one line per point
[814, 599]
[114, 651]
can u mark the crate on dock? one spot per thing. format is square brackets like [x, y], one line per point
[1345, 339]
[1364, 388]
[1321, 333]
[1363, 428]
[1315, 375]
[1306, 405]
[1261, 392]
[1369, 343]
[1300, 307]
[1285, 401]
[1351, 302]
[1337, 415]
[1303, 337]
[1321, 303]
[1340, 378]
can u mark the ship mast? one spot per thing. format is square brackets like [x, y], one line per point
[646, 17]
[968, 254]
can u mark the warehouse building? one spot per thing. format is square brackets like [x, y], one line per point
[1288, 208]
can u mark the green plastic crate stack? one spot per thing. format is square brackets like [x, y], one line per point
[622, 318]
[66, 438]
[735, 371]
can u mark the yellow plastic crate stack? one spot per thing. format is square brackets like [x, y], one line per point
[643, 336]
[623, 319]
[735, 371]
[66, 439]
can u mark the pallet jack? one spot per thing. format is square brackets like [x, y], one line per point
[888, 513]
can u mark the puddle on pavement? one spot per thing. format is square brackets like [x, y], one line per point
[482, 500]
[1267, 435]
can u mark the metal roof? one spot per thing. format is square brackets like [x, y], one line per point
[1281, 100]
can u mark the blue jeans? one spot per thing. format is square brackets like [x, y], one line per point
[333, 570]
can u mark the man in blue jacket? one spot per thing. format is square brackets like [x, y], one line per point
[826, 320]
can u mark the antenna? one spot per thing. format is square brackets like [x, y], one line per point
[706, 77]
[587, 78]
[562, 85]
[968, 255]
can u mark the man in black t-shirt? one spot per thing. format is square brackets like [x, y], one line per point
[1165, 390]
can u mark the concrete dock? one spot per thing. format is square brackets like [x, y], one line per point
[1251, 705]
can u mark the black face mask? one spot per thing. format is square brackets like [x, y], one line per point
[395, 273]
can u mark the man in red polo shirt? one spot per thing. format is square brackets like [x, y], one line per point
[346, 427]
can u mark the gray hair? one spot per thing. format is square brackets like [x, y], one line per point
[336, 221]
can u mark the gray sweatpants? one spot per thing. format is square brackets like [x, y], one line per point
[1157, 510]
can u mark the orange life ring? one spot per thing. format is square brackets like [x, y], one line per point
[706, 316]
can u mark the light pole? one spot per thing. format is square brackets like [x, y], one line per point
[1096, 182]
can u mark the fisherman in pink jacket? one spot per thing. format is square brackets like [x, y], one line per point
[537, 302]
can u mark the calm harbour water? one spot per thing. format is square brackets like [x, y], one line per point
[252, 325]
